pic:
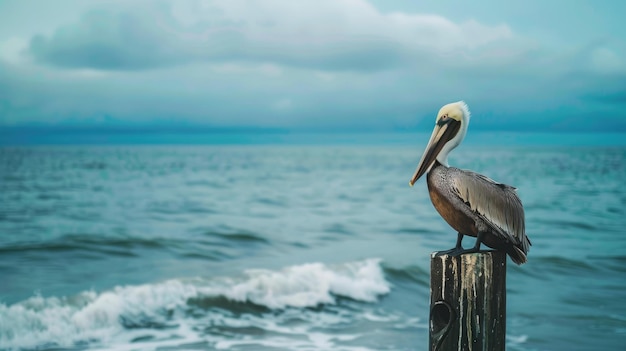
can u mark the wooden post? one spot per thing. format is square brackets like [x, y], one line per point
[468, 301]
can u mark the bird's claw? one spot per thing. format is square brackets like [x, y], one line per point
[457, 251]
[452, 252]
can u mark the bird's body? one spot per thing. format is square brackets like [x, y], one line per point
[471, 203]
[500, 217]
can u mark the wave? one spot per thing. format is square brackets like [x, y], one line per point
[560, 264]
[241, 236]
[117, 246]
[98, 318]
[214, 246]
[569, 224]
[412, 274]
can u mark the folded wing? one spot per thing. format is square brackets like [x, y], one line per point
[497, 203]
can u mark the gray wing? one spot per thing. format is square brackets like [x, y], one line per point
[497, 203]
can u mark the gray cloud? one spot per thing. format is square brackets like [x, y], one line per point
[606, 89]
[616, 97]
[323, 65]
[326, 34]
[238, 95]
[108, 41]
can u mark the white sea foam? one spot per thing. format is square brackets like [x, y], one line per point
[309, 285]
[516, 339]
[89, 316]
[104, 318]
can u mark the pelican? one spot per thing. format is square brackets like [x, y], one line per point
[471, 203]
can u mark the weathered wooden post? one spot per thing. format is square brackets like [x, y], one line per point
[468, 301]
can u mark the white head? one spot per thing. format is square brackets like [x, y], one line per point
[450, 129]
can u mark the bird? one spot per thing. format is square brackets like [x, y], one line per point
[471, 203]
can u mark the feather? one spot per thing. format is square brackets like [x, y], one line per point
[497, 203]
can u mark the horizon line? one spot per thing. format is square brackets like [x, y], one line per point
[204, 129]
[286, 137]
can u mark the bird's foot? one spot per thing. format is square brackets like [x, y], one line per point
[465, 251]
[457, 251]
[452, 252]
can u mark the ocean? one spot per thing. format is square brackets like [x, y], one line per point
[292, 246]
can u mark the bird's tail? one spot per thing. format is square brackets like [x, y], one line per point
[517, 255]
[518, 252]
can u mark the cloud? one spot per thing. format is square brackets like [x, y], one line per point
[309, 65]
[108, 40]
[606, 89]
[605, 60]
[321, 34]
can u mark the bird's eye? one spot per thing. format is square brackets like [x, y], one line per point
[444, 117]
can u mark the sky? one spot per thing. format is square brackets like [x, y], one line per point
[320, 65]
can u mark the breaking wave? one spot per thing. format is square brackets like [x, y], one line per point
[145, 313]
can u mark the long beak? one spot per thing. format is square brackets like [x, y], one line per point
[443, 132]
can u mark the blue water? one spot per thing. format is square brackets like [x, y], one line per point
[291, 247]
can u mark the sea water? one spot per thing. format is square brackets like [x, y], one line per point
[291, 247]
